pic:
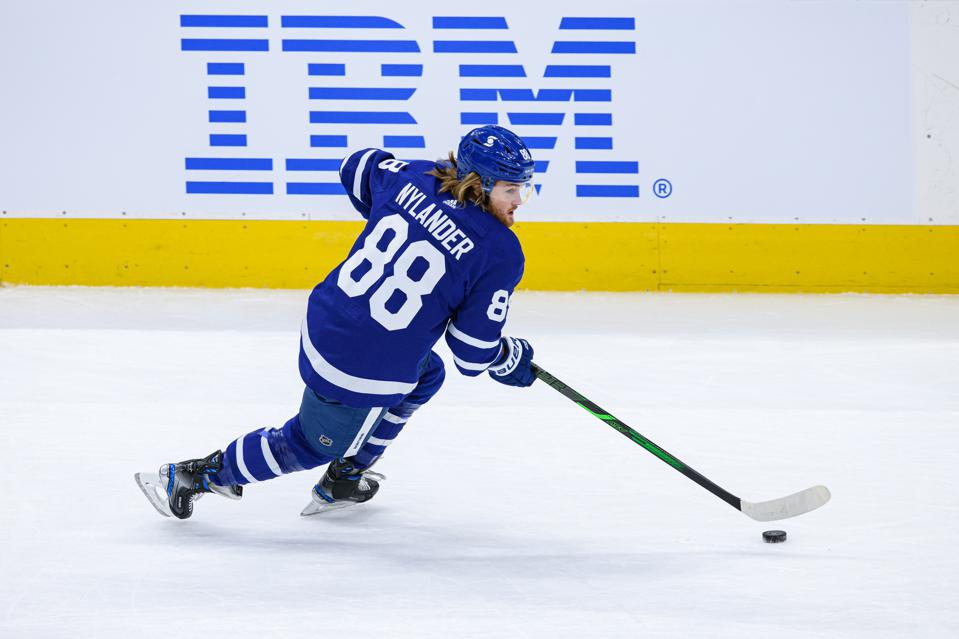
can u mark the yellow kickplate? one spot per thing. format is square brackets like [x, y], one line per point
[560, 256]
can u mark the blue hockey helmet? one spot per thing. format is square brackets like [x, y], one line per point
[494, 153]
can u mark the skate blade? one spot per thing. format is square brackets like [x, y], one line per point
[314, 508]
[154, 490]
[320, 507]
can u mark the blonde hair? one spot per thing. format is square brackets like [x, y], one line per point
[470, 188]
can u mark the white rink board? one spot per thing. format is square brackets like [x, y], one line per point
[753, 111]
[507, 512]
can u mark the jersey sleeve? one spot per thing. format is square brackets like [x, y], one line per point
[474, 332]
[362, 176]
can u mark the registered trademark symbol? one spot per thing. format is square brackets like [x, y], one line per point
[662, 188]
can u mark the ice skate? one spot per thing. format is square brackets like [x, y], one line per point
[342, 486]
[173, 489]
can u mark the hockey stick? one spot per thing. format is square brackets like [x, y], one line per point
[782, 508]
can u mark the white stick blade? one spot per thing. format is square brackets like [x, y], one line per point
[786, 507]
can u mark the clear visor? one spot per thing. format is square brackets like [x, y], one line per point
[526, 191]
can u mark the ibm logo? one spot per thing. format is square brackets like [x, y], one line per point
[578, 92]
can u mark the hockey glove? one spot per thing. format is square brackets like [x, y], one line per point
[514, 368]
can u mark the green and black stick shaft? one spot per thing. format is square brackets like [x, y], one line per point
[781, 508]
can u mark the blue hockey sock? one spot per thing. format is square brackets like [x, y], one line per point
[267, 453]
[384, 434]
[431, 379]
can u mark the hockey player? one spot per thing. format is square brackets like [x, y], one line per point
[435, 258]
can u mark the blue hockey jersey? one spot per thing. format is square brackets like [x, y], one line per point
[423, 266]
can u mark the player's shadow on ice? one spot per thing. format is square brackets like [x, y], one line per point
[421, 548]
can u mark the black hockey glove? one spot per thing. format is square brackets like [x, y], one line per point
[514, 368]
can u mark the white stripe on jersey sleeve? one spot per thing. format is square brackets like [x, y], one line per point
[473, 366]
[358, 176]
[469, 339]
[344, 380]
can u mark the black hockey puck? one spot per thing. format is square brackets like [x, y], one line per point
[774, 536]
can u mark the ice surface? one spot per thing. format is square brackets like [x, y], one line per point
[508, 512]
